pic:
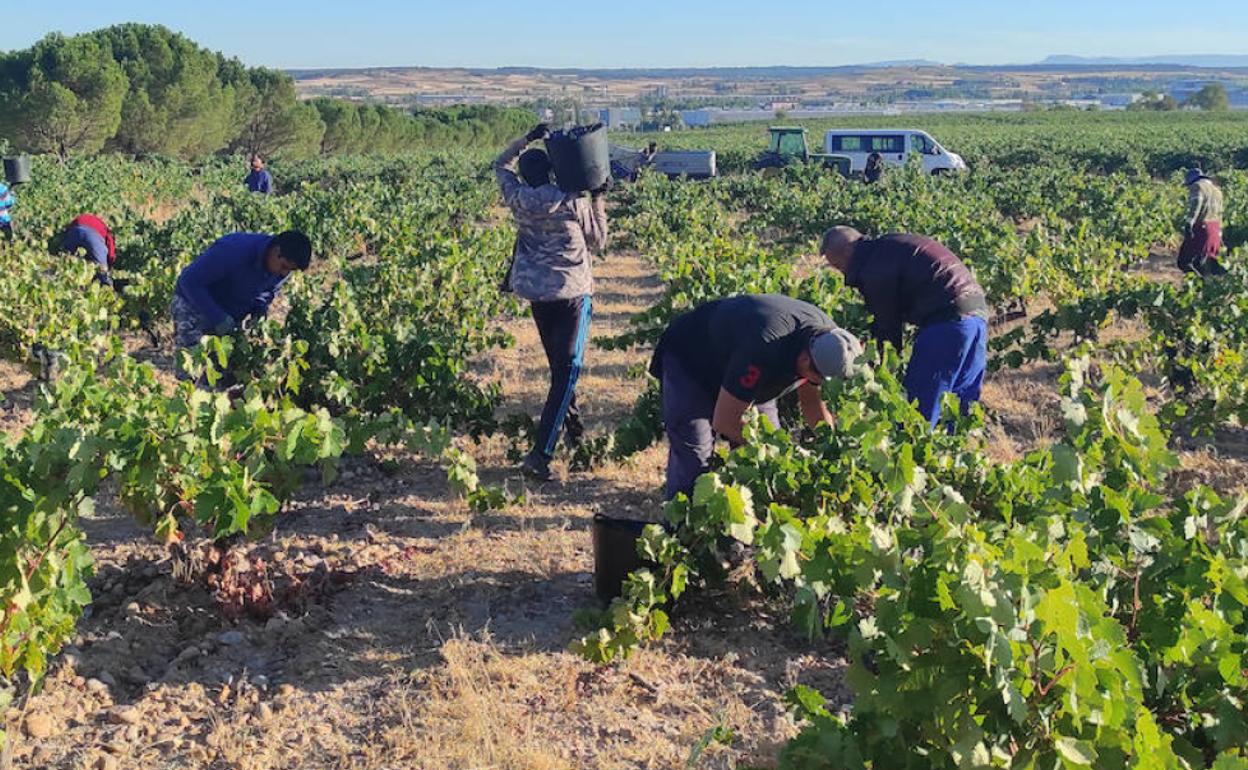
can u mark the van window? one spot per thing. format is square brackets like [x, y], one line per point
[889, 144]
[849, 144]
[921, 145]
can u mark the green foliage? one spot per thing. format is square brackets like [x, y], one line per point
[145, 90]
[62, 96]
[1018, 615]
[1212, 97]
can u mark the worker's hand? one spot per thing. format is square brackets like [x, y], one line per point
[540, 131]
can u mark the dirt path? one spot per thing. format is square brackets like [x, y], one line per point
[425, 636]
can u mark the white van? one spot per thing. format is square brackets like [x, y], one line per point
[894, 145]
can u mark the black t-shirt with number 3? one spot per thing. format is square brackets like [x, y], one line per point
[747, 345]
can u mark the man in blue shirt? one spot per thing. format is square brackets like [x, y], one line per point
[259, 180]
[237, 277]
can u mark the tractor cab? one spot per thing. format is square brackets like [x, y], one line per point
[788, 145]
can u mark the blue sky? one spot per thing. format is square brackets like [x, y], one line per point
[641, 33]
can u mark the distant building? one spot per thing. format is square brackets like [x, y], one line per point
[620, 118]
[696, 118]
[1119, 101]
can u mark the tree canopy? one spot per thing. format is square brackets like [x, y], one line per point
[146, 90]
[1211, 98]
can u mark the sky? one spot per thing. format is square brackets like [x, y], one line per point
[652, 33]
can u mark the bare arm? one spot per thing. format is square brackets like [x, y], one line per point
[814, 411]
[729, 417]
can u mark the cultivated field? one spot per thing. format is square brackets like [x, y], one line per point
[342, 568]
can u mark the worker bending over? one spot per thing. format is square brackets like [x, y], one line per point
[914, 279]
[1202, 231]
[552, 268]
[236, 278]
[720, 358]
[87, 235]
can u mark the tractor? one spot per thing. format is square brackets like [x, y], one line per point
[788, 145]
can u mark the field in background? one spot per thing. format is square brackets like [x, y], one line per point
[408, 600]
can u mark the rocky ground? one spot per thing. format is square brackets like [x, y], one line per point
[410, 632]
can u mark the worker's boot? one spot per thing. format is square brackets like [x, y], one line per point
[536, 467]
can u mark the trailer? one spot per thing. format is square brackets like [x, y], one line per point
[691, 164]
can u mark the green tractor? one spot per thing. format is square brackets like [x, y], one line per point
[788, 145]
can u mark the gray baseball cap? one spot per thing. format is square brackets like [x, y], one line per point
[833, 353]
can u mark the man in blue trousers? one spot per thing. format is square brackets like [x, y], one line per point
[721, 358]
[557, 235]
[237, 277]
[914, 279]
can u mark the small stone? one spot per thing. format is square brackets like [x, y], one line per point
[132, 733]
[187, 654]
[231, 638]
[133, 608]
[96, 686]
[264, 712]
[107, 678]
[40, 726]
[126, 715]
[105, 762]
[285, 690]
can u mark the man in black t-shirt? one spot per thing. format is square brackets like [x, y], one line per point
[718, 359]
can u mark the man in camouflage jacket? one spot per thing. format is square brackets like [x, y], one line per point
[552, 268]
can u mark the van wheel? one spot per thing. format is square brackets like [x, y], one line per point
[940, 172]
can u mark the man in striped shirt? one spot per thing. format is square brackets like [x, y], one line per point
[7, 200]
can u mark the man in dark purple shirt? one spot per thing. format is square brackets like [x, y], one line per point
[912, 279]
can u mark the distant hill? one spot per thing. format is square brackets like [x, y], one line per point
[658, 73]
[1193, 60]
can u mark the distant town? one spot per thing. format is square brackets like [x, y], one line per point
[690, 98]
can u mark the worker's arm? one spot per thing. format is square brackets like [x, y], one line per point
[518, 195]
[729, 417]
[260, 308]
[216, 263]
[881, 292]
[814, 410]
[1196, 207]
[594, 223]
[508, 181]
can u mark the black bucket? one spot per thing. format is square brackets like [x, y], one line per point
[615, 554]
[17, 169]
[581, 158]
